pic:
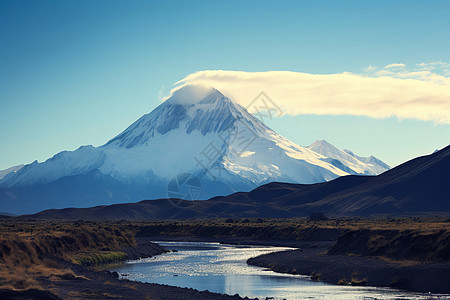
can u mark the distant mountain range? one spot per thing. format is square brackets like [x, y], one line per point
[418, 187]
[347, 161]
[14, 169]
[195, 145]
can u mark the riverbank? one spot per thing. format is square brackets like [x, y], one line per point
[54, 260]
[410, 253]
[406, 253]
[90, 284]
[312, 259]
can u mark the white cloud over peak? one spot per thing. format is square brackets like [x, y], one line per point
[405, 94]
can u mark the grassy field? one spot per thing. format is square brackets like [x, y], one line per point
[189, 227]
[29, 249]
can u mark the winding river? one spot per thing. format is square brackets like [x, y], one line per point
[223, 269]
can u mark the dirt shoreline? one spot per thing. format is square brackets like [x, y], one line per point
[312, 259]
[46, 255]
[106, 285]
[87, 283]
[228, 240]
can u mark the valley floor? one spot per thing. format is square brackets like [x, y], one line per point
[55, 260]
[51, 256]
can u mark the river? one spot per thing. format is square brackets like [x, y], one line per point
[223, 269]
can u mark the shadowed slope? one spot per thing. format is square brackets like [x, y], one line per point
[419, 186]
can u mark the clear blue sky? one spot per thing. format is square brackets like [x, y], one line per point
[79, 72]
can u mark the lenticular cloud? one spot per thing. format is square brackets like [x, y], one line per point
[406, 95]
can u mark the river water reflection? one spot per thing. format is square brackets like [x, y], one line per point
[223, 269]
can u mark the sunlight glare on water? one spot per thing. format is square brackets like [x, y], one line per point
[223, 269]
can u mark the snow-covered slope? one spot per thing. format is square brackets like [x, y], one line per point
[197, 131]
[348, 161]
[14, 169]
[376, 164]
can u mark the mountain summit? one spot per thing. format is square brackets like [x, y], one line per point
[191, 108]
[348, 161]
[197, 135]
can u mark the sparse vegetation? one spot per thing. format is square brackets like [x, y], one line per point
[405, 246]
[32, 249]
[29, 249]
[99, 258]
[409, 234]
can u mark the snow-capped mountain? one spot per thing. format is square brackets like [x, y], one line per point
[196, 133]
[347, 161]
[14, 169]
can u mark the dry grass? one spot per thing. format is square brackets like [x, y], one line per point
[400, 262]
[29, 250]
[286, 229]
[406, 241]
